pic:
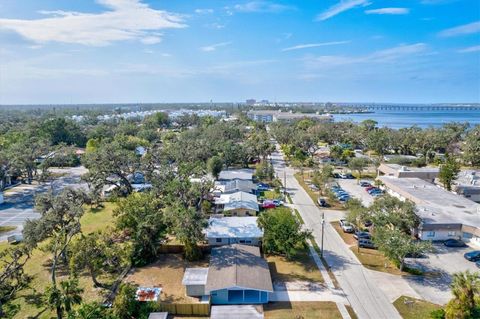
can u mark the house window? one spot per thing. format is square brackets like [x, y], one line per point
[451, 234]
[467, 236]
[218, 240]
[431, 234]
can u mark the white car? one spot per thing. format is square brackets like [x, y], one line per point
[346, 226]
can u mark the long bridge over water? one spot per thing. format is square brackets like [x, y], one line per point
[400, 107]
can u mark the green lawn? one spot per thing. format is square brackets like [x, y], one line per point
[304, 310]
[411, 308]
[272, 194]
[30, 304]
[302, 267]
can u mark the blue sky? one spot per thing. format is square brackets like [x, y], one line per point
[114, 51]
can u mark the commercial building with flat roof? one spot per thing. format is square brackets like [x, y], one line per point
[444, 214]
[399, 171]
[268, 116]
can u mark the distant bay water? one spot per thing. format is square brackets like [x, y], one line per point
[421, 118]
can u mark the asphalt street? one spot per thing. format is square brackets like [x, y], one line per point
[359, 286]
[20, 200]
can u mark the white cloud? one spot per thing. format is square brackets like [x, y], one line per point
[314, 45]
[126, 20]
[340, 7]
[475, 48]
[388, 11]
[215, 25]
[381, 56]
[203, 11]
[213, 47]
[469, 28]
[260, 6]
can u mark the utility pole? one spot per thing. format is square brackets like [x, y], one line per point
[323, 231]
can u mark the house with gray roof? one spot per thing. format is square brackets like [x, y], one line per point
[233, 230]
[233, 186]
[237, 275]
[237, 204]
[237, 173]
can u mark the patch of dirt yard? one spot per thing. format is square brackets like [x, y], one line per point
[166, 273]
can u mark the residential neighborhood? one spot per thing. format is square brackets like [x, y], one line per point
[274, 221]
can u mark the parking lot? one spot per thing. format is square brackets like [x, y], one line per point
[440, 265]
[355, 190]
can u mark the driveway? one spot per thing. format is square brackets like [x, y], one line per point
[20, 200]
[355, 190]
[443, 264]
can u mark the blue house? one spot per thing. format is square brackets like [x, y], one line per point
[238, 275]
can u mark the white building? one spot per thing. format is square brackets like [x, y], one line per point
[233, 230]
[444, 214]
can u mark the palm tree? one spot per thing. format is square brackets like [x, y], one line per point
[63, 299]
[466, 295]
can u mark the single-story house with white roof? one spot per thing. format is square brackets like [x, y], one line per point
[237, 204]
[238, 173]
[233, 230]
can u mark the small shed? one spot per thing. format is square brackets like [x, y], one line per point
[194, 280]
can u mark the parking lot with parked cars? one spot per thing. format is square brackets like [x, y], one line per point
[340, 193]
[353, 188]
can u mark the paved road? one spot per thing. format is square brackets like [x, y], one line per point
[359, 286]
[20, 200]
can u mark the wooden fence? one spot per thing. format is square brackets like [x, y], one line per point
[195, 309]
[179, 249]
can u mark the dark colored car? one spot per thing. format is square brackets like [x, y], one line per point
[362, 235]
[368, 223]
[349, 176]
[366, 243]
[365, 184]
[322, 202]
[472, 256]
[454, 243]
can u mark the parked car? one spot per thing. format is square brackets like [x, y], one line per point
[346, 226]
[268, 204]
[472, 255]
[313, 188]
[322, 202]
[454, 243]
[366, 243]
[278, 202]
[263, 187]
[365, 184]
[367, 223]
[15, 239]
[362, 235]
[336, 175]
[369, 188]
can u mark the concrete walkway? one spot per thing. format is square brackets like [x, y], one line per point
[318, 295]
